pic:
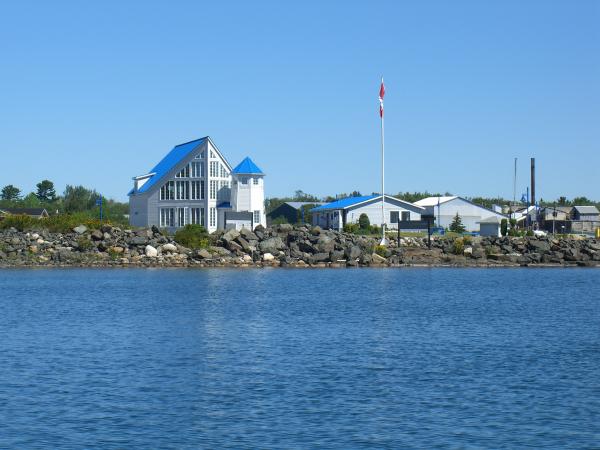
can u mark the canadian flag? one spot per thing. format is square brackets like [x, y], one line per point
[381, 95]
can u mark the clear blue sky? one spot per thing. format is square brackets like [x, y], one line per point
[94, 93]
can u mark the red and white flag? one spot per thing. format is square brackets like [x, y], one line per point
[381, 95]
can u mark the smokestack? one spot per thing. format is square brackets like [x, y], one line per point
[533, 181]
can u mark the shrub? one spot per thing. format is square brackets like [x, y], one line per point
[467, 240]
[363, 222]
[458, 247]
[279, 220]
[504, 227]
[192, 236]
[84, 244]
[381, 250]
[20, 222]
[351, 227]
[529, 233]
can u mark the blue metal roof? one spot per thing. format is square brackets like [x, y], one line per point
[345, 202]
[247, 166]
[173, 158]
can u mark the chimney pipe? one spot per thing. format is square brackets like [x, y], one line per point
[533, 181]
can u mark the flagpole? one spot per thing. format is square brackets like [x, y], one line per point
[382, 183]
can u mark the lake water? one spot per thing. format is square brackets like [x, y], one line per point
[364, 358]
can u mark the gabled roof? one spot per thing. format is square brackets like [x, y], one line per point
[491, 219]
[354, 201]
[298, 205]
[434, 201]
[24, 211]
[586, 209]
[247, 166]
[174, 157]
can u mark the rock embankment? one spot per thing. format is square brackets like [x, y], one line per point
[284, 246]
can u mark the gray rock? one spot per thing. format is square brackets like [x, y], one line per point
[353, 252]
[377, 259]
[80, 229]
[97, 235]
[325, 244]
[231, 235]
[319, 257]
[248, 234]
[271, 245]
[169, 248]
[139, 240]
[150, 251]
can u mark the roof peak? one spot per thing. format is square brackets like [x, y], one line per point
[247, 166]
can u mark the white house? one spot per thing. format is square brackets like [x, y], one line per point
[444, 209]
[195, 184]
[347, 210]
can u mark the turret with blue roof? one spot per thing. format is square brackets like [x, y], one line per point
[247, 167]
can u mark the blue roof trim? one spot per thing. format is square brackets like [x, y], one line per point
[173, 158]
[345, 202]
[247, 166]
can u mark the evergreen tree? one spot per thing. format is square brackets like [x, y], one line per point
[457, 225]
[363, 222]
[45, 191]
[10, 192]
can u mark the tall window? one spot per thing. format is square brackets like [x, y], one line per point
[212, 155]
[197, 192]
[167, 217]
[256, 217]
[213, 190]
[197, 169]
[223, 171]
[167, 191]
[405, 216]
[394, 216]
[183, 173]
[197, 216]
[213, 217]
[182, 190]
[214, 168]
[182, 217]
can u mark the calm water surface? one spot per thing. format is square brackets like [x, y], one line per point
[416, 358]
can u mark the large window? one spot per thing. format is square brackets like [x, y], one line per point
[167, 217]
[197, 192]
[256, 217]
[223, 171]
[167, 191]
[213, 217]
[197, 216]
[197, 169]
[213, 189]
[183, 173]
[182, 190]
[214, 168]
[394, 216]
[182, 217]
[405, 216]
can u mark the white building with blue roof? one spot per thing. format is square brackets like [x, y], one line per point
[195, 184]
[336, 214]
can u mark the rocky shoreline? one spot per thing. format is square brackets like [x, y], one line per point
[284, 246]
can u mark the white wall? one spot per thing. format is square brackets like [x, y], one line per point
[469, 213]
[373, 211]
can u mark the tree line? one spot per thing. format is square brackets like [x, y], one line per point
[74, 199]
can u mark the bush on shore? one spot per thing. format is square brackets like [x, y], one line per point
[192, 236]
[62, 223]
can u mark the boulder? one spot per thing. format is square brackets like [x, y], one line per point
[97, 235]
[231, 235]
[139, 240]
[248, 234]
[150, 251]
[169, 248]
[316, 230]
[80, 229]
[377, 259]
[202, 254]
[319, 257]
[271, 245]
[353, 252]
[268, 257]
[325, 244]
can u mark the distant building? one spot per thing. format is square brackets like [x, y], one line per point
[490, 227]
[37, 213]
[585, 213]
[292, 212]
[444, 209]
[347, 210]
[195, 184]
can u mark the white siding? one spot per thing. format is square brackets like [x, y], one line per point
[469, 213]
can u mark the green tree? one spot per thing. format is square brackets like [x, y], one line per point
[363, 222]
[79, 198]
[10, 193]
[582, 201]
[30, 201]
[457, 225]
[504, 227]
[45, 191]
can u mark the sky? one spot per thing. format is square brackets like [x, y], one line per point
[94, 93]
